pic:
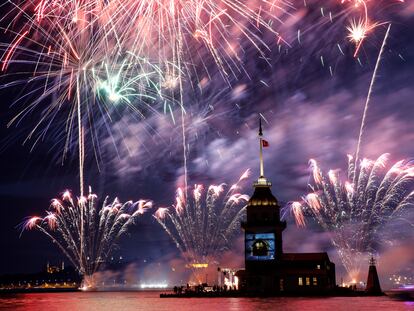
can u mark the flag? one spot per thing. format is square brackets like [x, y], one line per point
[265, 143]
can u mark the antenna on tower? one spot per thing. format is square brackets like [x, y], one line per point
[372, 261]
[260, 126]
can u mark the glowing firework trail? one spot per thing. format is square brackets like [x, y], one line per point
[353, 213]
[79, 68]
[202, 226]
[359, 29]
[360, 20]
[85, 233]
[371, 85]
[187, 34]
[173, 28]
[62, 42]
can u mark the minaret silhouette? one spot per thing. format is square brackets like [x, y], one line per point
[373, 284]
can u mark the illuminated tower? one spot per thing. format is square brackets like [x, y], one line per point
[263, 232]
[373, 284]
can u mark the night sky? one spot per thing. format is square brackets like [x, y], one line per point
[309, 114]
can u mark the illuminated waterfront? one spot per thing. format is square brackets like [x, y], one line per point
[149, 300]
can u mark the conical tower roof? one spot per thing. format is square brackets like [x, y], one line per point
[373, 283]
[263, 196]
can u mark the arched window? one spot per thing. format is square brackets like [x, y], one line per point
[260, 248]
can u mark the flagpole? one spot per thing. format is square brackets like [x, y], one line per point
[261, 148]
[261, 159]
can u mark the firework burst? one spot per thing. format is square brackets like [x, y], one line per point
[354, 213]
[176, 30]
[203, 226]
[84, 58]
[85, 233]
[75, 71]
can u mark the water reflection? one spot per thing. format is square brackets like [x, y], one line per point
[149, 300]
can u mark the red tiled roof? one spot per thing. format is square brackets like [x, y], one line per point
[305, 256]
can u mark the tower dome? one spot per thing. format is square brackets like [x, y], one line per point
[263, 196]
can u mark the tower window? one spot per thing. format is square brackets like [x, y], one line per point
[315, 281]
[307, 281]
[318, 267]
[260, 248]
[300, 281]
